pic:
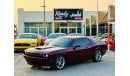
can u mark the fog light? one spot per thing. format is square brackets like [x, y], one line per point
[45, 55]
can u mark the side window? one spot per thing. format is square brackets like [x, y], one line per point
[80, 42]
[87, 41]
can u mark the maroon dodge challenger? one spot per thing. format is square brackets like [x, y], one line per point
[65, 50]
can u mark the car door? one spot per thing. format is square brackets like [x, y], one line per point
[80, 48]
[88, 51]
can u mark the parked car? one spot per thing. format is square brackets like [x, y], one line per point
[105, 35]
[75, 34]
[27, 40]
[65, 50]
[52, 36]
[111, 42]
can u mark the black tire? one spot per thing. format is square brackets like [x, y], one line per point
[97, 56]
[60, 62]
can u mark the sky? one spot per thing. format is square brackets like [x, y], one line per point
[34, 5]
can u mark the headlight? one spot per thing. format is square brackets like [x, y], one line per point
[45, 55]
[26, 53]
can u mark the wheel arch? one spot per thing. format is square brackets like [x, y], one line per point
[62, 54]
[99, 48]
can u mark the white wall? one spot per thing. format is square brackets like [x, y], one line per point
[20, 20]
[38, 16]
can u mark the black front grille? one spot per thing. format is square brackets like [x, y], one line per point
[34, 54]
[22, 44]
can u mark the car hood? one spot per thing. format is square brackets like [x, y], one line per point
[49, 40]
[43, 49]
[25, 40]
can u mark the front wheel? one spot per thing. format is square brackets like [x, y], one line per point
[60, 62]
[97, 56]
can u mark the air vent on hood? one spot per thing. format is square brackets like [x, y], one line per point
[40, 48]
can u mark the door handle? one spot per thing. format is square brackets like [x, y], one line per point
[87, 47]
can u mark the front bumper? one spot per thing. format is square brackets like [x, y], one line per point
[39, 61]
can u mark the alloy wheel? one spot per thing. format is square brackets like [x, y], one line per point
[60, 62]
[97, 56]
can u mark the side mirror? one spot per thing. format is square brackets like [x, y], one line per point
[76, 47]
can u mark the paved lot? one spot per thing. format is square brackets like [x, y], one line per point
[87, 68]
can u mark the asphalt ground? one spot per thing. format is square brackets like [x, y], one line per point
[86, 68]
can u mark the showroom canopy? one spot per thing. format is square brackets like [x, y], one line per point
[68, 14]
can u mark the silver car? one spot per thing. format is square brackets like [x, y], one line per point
[52, 36]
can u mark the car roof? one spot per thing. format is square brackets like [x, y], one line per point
[57, 33]
[73, 37]
[75, 34]
[28, 33]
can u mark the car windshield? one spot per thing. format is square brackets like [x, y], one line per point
[55, 35]
[27, 36]
[61, 42]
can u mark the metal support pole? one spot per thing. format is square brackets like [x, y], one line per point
[108, 36]
[90, 26]
[44, 21]
[45, 17]
[85, 27]
[44, 10]
[97, 21]
[108, 26]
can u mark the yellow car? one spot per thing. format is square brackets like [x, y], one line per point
[27, 40]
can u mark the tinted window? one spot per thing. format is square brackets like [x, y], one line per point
[62, 42]
[55, 35]
[74, 34]
[88, 41]
[27, 36]
[81, 42]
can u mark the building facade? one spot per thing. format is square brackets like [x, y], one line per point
[79, 22]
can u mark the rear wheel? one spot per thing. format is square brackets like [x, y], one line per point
[97, 56]
[60, 62]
